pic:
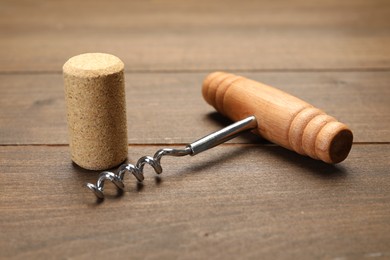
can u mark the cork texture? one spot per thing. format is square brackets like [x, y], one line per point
[96, 110]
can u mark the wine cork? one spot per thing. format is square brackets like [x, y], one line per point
[96, 110]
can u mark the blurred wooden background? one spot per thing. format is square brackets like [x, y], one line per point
[244, 199]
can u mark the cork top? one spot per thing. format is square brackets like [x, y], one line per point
[93, 65]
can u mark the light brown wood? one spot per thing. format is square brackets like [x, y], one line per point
[282, 118]
[96, 110]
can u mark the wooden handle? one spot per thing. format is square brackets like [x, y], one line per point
[282, 118]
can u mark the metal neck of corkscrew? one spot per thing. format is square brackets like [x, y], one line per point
[203, 144]
[223, 135]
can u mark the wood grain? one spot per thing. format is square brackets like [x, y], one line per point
[33, 110]
[247, 199]
[198, 35]
[281, 118]
[252, 201]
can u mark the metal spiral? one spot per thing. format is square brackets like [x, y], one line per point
[203, 144]
[136, 170]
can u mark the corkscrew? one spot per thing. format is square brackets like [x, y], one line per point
[271, 113]
[203, 144]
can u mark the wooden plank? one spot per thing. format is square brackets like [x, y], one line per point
[198, 35]
[169, 108]
[235, 201]
[238, 200]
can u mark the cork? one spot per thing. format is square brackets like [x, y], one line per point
[96, 110]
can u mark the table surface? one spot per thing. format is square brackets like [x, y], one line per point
[244, 199]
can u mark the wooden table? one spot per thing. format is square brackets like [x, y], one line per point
[244, 199]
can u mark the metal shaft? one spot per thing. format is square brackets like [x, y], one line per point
[223, 135]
